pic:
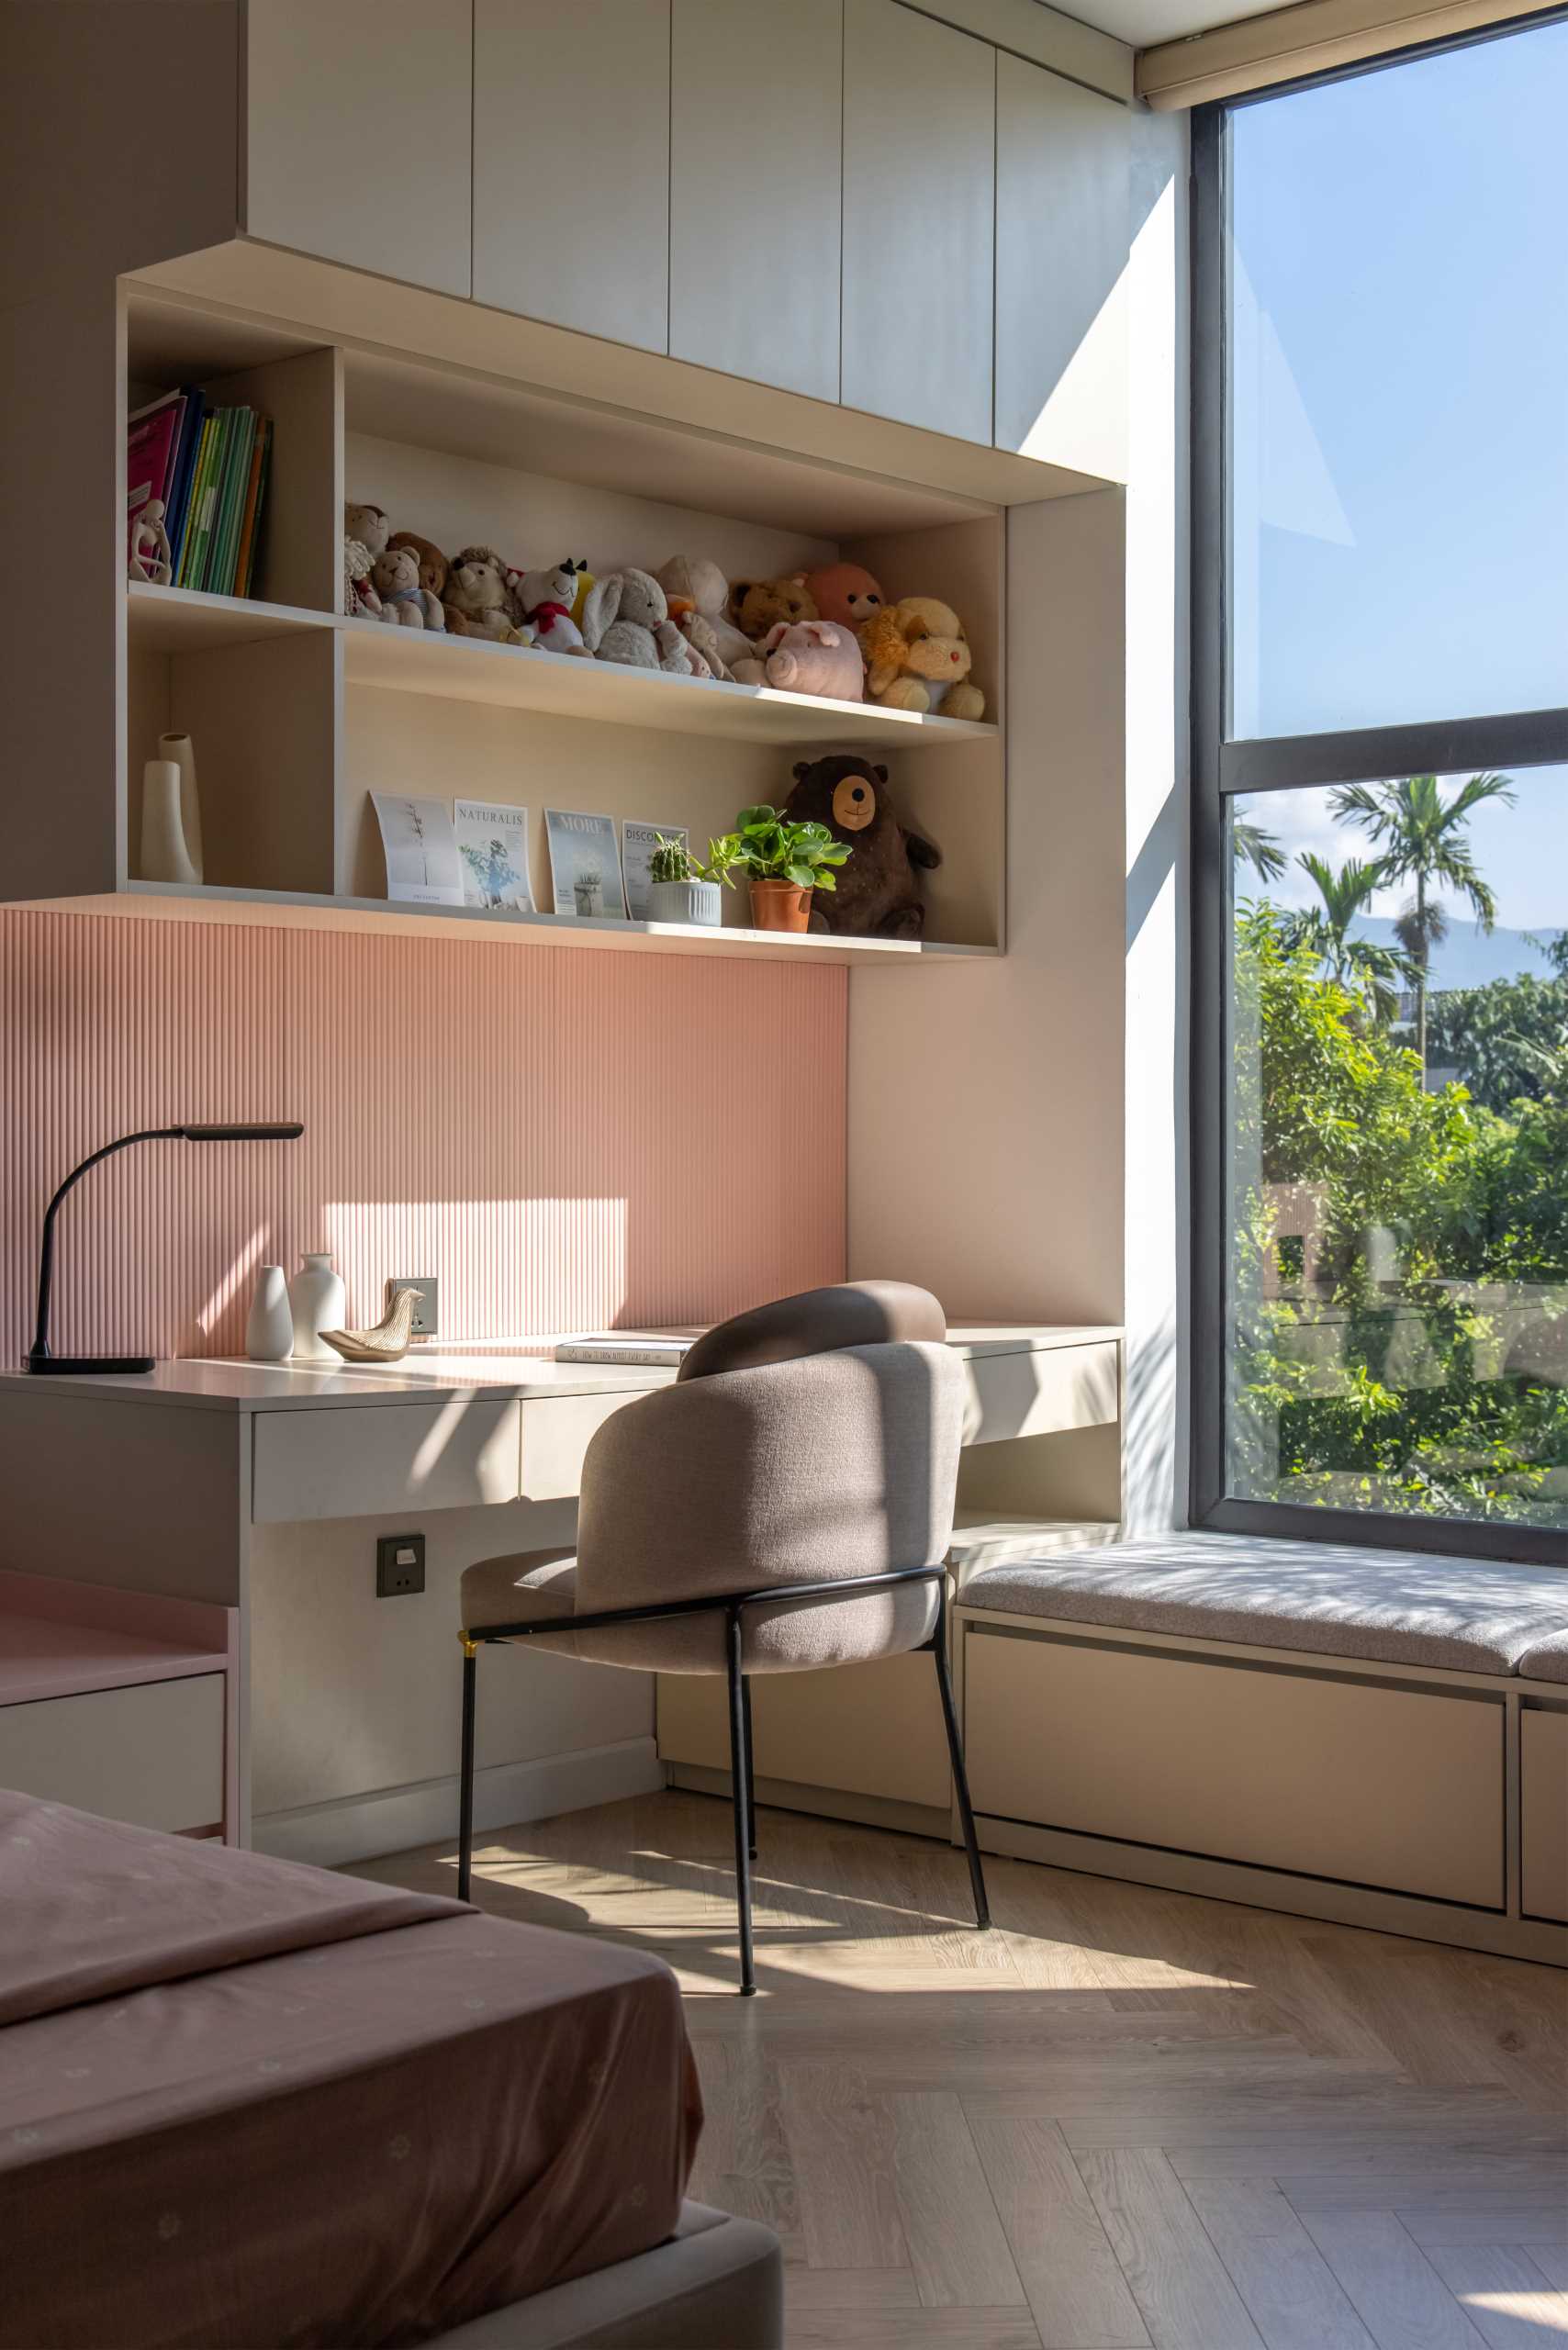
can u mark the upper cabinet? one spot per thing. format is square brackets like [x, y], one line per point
[1062, 261]
[919, 214]
[572, 161]
[358, 133]
[755, 126]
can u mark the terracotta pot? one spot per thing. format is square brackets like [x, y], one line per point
[779, 905]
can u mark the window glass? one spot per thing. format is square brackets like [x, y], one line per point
[1397, 428]
[1397, 1285]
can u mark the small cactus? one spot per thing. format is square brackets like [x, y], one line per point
[670, 862]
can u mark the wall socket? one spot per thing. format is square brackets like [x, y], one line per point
[399, 1565]
[427, 1313]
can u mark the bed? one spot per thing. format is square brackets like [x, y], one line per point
[248, 2103]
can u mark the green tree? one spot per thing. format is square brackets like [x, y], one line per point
[1425, 839]
[1507, 1040]
[1362, 965]
[1251, 844]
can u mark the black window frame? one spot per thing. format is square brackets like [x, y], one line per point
[1225, 767]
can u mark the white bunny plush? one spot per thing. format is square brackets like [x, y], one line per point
[626, 619]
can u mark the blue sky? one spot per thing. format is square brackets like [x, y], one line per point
[1401, 488]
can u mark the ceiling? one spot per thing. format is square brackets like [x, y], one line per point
[1144, 23]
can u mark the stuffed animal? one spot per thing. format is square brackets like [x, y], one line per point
[877, 895]
[814, 657]
[698, 598]
[626, 620]
[434, 567]
[478, 600]
[917, 657]
[404, 603]
[365, 537]
[546, 597]
[758, 605]
[844, 592]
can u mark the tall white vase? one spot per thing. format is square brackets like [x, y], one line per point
[163, 855]
[269, 1329]
[319, 1301]
[180, 748]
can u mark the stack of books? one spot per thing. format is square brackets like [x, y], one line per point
[209, 466]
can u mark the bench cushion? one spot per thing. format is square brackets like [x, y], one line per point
[1547, 1660]
[1332, 1598]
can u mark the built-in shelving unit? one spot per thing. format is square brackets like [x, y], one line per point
[299, 713]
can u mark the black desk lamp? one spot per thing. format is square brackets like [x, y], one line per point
[39, 1359]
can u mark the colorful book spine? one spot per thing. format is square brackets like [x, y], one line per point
[180, 493]
[191, 537]
[267, 440]
[244, 564]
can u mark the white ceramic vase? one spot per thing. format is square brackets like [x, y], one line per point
[164, 857]
[689, 901]
[269, 1329]
[317, 1300]
[180, 748]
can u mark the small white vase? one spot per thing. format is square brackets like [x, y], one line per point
[269, 1328]
[180, 748]
[317, 1300]
[689, 901]
[164, 854]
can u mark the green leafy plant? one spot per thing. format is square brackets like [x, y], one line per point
[772, 848]
[672, 861]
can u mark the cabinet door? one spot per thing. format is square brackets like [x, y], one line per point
[359, 133]
[755, 127]
[1061, 256]
[919, 197]
[571, 164]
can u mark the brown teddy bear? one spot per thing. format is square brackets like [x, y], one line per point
[433, 565]
[478, 602]
[877, 895]
[758, 605]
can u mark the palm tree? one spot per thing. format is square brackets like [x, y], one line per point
[1251, 844]
[1359, 965]
[1424, 839]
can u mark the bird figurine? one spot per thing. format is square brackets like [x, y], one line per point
[388, 1341]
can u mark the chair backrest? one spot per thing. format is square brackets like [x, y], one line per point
[817, 1322]
[811, 1470]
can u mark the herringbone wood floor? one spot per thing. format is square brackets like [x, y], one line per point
[1125, 2118]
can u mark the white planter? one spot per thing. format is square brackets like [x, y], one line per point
[179, 748]
[692, 902]
[269, 1329]
[317, 1300]
[163, 852]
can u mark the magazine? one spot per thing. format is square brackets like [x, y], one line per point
[422, 851]
[492, 848]
[584, 865]
[658, 1349]
[638, 842]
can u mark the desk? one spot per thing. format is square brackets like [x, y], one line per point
[260, 1487]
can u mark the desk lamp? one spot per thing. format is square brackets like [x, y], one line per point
[39, 1359]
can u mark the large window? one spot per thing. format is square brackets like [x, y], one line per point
[1381, 638]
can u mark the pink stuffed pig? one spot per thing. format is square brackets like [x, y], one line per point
[814, 657]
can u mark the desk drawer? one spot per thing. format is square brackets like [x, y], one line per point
[1362, 1782]
[151, 1754]
[1042, 1393]
[366, 1460]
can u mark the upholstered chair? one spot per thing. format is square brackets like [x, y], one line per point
[786, 1504]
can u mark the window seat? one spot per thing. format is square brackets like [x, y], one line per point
[1334, 1599]
[1377, 1737]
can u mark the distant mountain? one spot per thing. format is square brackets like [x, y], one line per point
[1468, 958]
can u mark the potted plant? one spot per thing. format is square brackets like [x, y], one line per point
[682, 887]
[785, 862]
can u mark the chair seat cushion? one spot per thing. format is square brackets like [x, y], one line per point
[534, 1586]
[1332, 1598]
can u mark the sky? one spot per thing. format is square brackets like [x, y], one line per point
[1400, 426]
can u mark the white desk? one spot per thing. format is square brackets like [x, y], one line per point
[213, 1480]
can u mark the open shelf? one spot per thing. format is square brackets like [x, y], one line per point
[514, 678]
[185, 620]
[298, 909]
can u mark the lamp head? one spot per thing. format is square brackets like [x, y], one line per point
[285, 1133]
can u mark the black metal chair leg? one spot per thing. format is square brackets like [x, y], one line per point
[466, 1780]
[740, 1779]
[750, 1768]
[960, 1777]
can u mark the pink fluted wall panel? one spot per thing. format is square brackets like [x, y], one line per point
[567, 1139]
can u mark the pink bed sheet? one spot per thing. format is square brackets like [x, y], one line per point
[381, 2115]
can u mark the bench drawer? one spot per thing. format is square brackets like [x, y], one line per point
[373, 1458]
[1371, 1784]
[151, 1754]
[1543, 1778]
